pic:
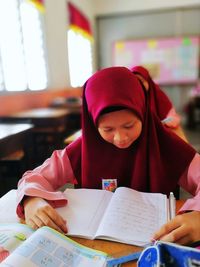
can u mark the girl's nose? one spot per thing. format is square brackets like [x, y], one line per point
[119, 136]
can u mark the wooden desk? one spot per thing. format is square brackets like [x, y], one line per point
[13, 137]
[42, 117]
[72, 137]
[74, 106]
[14, 153]
[48, 133]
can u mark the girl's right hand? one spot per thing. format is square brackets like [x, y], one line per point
[38, 213]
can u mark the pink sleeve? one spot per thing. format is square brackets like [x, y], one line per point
[190, 182]
[175, 119]
[44, 180]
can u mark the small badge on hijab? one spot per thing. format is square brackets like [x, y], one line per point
[109, 184]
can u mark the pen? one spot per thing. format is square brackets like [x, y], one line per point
[123, 259]
[167, 120]
[172, 206]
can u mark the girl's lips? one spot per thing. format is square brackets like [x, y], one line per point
[124, 145]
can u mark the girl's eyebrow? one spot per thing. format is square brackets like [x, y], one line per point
[106, 127]
[124, 124]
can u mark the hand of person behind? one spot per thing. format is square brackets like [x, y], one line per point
[38, 213]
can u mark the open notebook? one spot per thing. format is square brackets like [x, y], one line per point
[126, 216]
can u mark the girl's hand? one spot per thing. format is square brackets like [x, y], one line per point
[38, 213]
[183, 229]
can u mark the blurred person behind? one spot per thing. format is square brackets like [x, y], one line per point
[160, 102]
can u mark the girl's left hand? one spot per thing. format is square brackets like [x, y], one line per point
[183, 229]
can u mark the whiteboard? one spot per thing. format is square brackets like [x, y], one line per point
[169, 60]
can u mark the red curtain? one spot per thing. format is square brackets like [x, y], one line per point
[78, 20]
[39, 4]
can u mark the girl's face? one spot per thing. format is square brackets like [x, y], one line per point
[120, 128]
[144, 82]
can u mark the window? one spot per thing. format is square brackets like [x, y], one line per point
[22, 58]
[79, 46]
[80, 58]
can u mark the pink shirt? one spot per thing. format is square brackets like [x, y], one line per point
[56, 171]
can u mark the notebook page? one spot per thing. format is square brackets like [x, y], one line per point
[8, 207]
[132, 217]
[84, 210]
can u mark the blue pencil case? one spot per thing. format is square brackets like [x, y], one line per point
[169, 254]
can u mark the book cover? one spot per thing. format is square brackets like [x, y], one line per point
[21, 246]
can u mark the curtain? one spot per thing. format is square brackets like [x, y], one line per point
[78, 21]
[39, 4]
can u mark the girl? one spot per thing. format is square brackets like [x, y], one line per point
[123, 140]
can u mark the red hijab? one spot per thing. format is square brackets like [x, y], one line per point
[159, 101]
[154, 163]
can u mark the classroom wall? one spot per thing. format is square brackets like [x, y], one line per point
[55, 30]
[15, 102]
[151, 24]
[108, 7]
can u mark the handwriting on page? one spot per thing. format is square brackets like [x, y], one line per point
[132, 217]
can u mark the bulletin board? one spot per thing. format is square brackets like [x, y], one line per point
[169, 60]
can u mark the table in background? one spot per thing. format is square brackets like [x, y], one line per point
[47, 118]
[74, 106]
[14, 143]
[68, 140]
[13, 137]
[49, 129]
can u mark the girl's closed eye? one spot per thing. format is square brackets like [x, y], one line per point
[129, 126]
[132, 124]
[107, 130]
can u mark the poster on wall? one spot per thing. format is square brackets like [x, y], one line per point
[169, 60]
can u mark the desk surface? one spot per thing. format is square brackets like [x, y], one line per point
[72, 137]
[41, 117]
[12, 137]
[39, 113]
[10, 129]
[72, 108]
